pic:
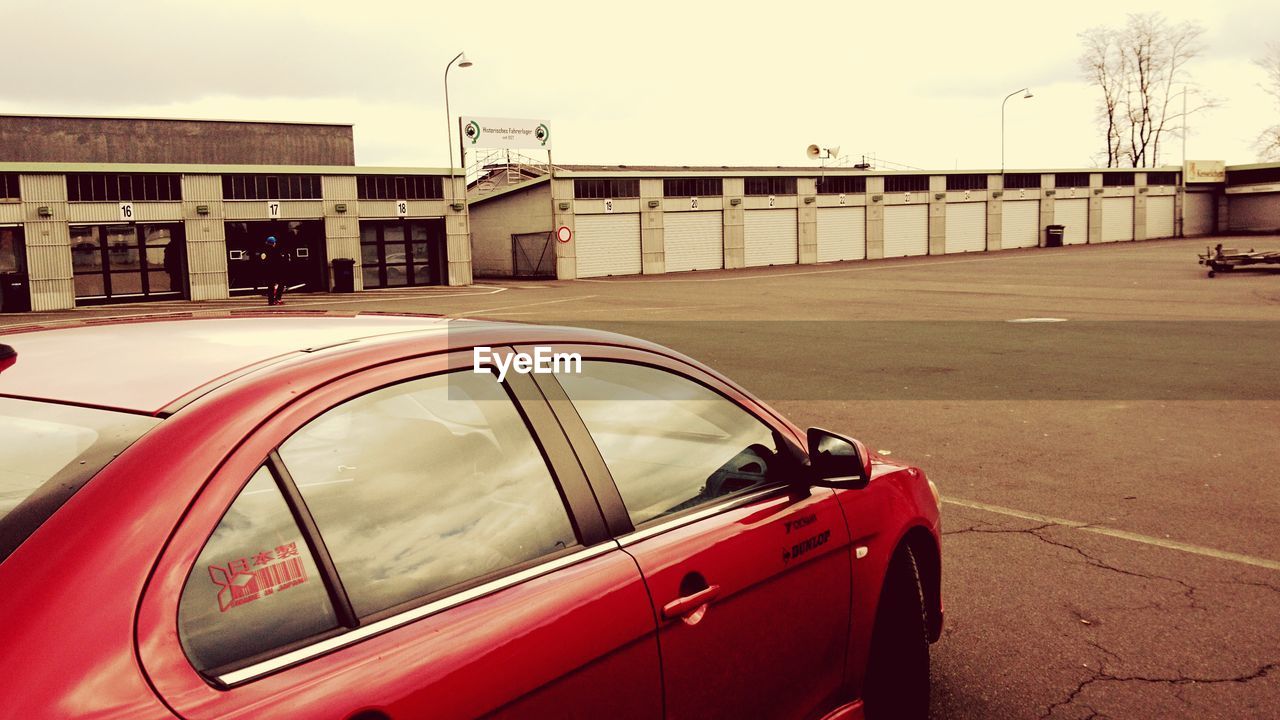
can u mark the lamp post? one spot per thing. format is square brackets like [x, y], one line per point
[1006, 100]
[463, 62]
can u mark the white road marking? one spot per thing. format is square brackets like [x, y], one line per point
[1120, 534]
[1037, 320]
[521, 305]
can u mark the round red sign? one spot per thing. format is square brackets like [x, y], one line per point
[564, 234]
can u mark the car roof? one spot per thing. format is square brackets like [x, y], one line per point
[155, 364]
[143, 365]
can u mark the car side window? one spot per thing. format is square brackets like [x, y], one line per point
[255, 588]
[670, 443]
[425, 485]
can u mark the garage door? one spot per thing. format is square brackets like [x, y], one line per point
[1020, 224]
[770, 237]
[1117, 219]
[1258, 212]
[966, 227]
[906, 230]
[1160, 216]
[607, 245]
[693, 241]
[1074, 214]
[842, 234]
[1198, 214]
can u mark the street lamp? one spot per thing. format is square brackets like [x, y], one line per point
[463, 62]
[1006, 100]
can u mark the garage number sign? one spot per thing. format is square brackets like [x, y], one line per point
[273, 209]
[126, 212]
[402, 208]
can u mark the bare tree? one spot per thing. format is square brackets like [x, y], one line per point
[1137, 68]
[1268, 144]
[1103, 64]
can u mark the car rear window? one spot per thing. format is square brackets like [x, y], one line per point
[47, 453]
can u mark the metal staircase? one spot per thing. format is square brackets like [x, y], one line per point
[498, 169]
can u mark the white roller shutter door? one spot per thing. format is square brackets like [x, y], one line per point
[842, 234]
[966, 227]
[1074, 214]
[1198, 214]
[1160, 217]
[771, 238]
[1020, 224]
[607, 245]
[1117, 219]
[1255, 212]
[906, 230]
[693, 241]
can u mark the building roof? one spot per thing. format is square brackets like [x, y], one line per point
[171, 119]
[202, 169]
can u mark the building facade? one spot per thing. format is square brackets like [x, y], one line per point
[594, 222]
[80, 232]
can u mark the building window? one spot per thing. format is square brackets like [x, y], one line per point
[842, 185]
[692, 187]
[1162, 178]
[1251, 177]
[906, 183]
[271, 187]
[9, 186]
[605, 188]
[399, 187]
[1018, 181]
[1120, 179]
[128, 261]
[1071, 180]
[104, 187]
[966, 182]
[770, 185]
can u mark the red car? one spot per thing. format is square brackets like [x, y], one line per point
[319, 516]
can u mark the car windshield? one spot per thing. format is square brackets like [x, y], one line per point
[47, 453]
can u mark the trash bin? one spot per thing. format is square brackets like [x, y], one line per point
[13, 293]
[344, 275]
[1053, 235]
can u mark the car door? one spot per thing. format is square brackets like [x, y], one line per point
[416, 540]
[749, 575]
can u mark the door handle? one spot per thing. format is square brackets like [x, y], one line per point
[690, 608]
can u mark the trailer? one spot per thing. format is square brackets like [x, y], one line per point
[1221, 259]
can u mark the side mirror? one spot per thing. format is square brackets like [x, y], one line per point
[837, 461]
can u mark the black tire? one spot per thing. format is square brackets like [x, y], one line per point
[897, 683]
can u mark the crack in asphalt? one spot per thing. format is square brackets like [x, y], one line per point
[1101, 675]
[1188, 590]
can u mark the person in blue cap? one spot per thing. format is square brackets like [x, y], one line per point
[274, 263]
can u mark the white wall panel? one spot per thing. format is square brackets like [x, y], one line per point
[1074, 215]
[1020, 224]
[771, 237]
[842, 233]
[693, 241]
[607, 245]
[906, 230]
[966, 227]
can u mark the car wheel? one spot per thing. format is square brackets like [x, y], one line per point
[897, 684]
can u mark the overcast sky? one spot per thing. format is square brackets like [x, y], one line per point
[682, 83]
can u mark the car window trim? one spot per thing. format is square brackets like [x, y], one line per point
[606, 488]
[667, 523]
[338, 598]
[364, 632]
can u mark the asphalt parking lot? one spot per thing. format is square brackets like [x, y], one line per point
[1103, 422]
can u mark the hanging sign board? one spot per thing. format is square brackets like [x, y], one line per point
[506, 133]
